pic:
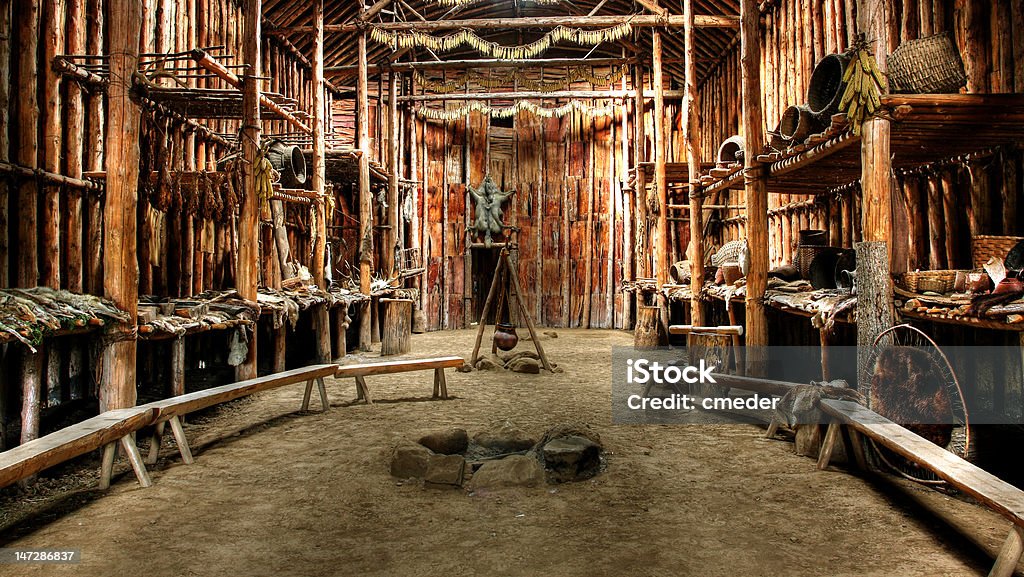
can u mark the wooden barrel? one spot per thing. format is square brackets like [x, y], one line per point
[396, 338]
[648, 332]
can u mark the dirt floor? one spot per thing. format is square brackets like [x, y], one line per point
[277, 492]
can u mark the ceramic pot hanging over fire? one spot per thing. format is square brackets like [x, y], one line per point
[505, 336]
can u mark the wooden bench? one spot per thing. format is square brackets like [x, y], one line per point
[171, 410]
[988, 489]
[360, 371]
[104, 430]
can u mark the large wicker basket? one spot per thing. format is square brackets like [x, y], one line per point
[939, 281]
[984, 247]
[929, 65]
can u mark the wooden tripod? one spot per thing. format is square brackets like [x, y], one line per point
[506, 277]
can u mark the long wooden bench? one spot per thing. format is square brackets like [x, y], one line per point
[360, 371]
[988, 489]
[105, 430]
[171, 410]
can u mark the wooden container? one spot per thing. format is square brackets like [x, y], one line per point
[940, 281]
[648, 332]
[984, 247]
[396, 338]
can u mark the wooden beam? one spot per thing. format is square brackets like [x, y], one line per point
[691, 109]
[210, 63]
[755, 182]
[246, 273]
[661, 258]
[6, 40]
[121, 278]
[53, 43]
[365, 200]
[373, 10]
[635, 20]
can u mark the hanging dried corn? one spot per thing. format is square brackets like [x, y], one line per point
[865, 84]
[558, 35]
[517, 78]
[450, 114]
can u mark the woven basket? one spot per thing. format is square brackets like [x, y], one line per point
[805, 254]
[984, 247]
[939, 281]
[930, 65]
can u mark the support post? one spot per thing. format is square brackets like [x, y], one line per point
[26, 149]
[391, 236]
[365, 207]
[661, 258]
[319, 152]
[120, 259]
[755, 184]
[691, 106]
[247, 276]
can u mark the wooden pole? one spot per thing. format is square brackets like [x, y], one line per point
[246, 273]
[755, 182]
[121, 281]
[5, 142]
[365, 201]
[391, 237]
[661, 260]
[94, 147]
[642, 246]
[53, 44]
[693, 156]
[321, 316]
[74, 147]
[26, 151]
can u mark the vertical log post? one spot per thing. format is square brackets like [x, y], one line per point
[693, 155]
[365, 202]
[53, 44]
[93, 273]
[26, 151]
[246, 273]
[875, 309]
[391, 236]
[755, 183]
[642, 246]
[661, 242]
[5, 143]
[321, 315]
[120, 260]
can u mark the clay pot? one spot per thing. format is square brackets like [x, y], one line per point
[731, 273]
[505, 337]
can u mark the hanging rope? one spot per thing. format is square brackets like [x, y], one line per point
[510, 111]
[559, 34]
[517, 78]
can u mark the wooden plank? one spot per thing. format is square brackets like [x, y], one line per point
[391, 367]
[990, 490]
[37, 455]
[184, 404]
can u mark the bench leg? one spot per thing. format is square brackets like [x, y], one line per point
[323, 392]
[305, 396]
[128, 444]
[107, 465]
[1009, 554]
[773, 428]
[179, 438]
[857, 448]
[154, 443]
[831, 438]
[440, 383]
[363, 390]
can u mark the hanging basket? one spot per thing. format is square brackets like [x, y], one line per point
[929, 65]
[984, 247]
[825, 89]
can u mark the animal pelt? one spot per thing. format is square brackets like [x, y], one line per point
[800, 404]
[981, 303]
[908, 388]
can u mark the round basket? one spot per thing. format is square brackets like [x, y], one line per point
[929, 65]
[984, 247]
[798, 122]
[825, 89]
[805, 254]
[731, 150]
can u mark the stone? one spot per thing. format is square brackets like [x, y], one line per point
[571, 458]
[447, 442]
[410, 460]
[464, 368]
[445, 470]
[524, 365]
[551, 334]
[504, 437]
[512, 471]
[519, 355]
[570, 430]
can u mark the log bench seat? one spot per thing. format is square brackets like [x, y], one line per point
[105, 430]
[983, 486]
[171, 410]
[360, 371]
